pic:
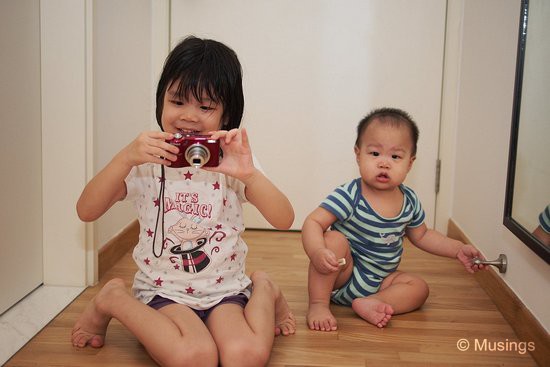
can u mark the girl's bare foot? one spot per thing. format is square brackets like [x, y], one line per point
[373, 310]
[285, 323]
[91, 326]
[320, 318]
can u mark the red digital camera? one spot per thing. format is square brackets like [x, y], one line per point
[195, 150]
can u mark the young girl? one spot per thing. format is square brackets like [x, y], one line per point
[369, 217]
[192, 303]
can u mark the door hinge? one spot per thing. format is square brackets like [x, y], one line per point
[437, 175]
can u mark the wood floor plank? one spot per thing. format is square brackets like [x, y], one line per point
[456, 309]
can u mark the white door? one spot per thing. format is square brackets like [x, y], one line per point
[20, 151]
[313, 69]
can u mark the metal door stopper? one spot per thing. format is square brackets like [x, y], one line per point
[501, 263]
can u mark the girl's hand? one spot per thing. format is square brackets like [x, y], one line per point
[324, 261]
[150, 147]
[237, 155]
[466, 256]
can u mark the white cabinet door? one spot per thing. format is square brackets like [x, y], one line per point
[313, 69]
[20, 151]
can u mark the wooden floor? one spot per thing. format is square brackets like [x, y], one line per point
[457, 312]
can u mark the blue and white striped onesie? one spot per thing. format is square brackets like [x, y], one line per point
[376, 242]
[544, 219]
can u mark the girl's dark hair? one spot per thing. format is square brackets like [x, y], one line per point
[204, 66]
[393, 116]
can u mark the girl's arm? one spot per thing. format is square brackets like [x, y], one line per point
[108, 186]
[260, 191]
[436, 243]
[269, 200]
[105, 189]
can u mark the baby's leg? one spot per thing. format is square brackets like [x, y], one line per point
[399, 293]
[171, 335]
[373, 310]
[320, 285]
[245, 337]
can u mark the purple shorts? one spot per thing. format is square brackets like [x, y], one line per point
[240, 299]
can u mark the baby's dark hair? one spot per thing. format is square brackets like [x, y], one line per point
[392, 116]
[204, 66]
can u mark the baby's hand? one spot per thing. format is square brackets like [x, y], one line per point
[150, 147]
[237, 155]
[466, 256]
[324, 261]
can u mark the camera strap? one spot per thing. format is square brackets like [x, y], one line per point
[160, 213]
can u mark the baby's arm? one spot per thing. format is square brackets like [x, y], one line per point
[108, 186]
[542, 235]
[313, 240]
[436, 243]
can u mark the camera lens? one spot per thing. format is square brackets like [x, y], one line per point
[197, 155]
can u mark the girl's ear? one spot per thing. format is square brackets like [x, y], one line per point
[224, 123]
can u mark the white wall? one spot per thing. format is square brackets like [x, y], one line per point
[312, 69]
[307, 64]
[123, 90]
[483, 114]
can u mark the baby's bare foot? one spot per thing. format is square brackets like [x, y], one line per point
[320, 318]
[373, 311]
[91, 326]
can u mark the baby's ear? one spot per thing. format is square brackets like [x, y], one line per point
[411, 161]
[357, 150]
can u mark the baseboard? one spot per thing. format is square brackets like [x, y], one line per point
[525, 325]
[120, 244]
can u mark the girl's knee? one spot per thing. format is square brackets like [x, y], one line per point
[242, 352]
[191, 354]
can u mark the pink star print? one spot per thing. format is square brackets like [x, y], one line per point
[216, 185]
[150, 233]
[157, 202]
[188, 175]
[218, 226]
[189, 290]
[158, 282]
[147, 261]
[219, 280]
[162, 179]
[233, 257]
